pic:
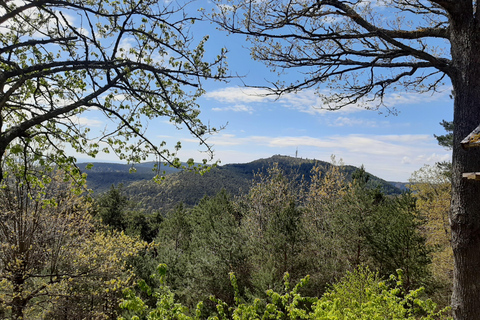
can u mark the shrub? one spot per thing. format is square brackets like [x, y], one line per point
[361, 295]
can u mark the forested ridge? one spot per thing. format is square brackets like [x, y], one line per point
[188, 188]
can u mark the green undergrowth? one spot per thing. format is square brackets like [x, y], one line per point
[361, 294]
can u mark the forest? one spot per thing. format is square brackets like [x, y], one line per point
[188, 188]
[87, 78]
[325, 244]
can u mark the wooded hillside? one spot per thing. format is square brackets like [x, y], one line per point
[188, 188]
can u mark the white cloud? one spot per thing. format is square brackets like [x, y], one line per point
[126, 44]
[406, 160]
[238, 95]
[406, 138]
[408, 98]
[434, 157]
[129, 43]
[236, 108]
[395, 145]
[83, 31]
[88, 122]
[7, 25]
[352, 122]
[377, 3]
[225, 8]
[306, 101]
[71, 19]
[310, 101]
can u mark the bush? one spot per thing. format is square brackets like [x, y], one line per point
[362, 295]
[359, 295]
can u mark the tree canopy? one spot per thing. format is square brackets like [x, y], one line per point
[132, 61]
[54, 262]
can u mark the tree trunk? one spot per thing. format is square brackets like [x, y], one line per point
[18, 305]
[465, 213]
[18, 302]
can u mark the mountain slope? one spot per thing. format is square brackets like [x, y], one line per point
[188, 188]
[103, 174]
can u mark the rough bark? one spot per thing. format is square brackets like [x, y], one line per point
[465, 213]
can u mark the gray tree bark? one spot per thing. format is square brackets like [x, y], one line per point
[465, 213]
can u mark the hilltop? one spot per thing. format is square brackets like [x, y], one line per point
[188, 188]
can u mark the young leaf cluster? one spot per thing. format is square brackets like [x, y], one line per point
[129, 61]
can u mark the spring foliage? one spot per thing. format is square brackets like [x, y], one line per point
[320, 227]
[361, 294]
[53, 262]
[432, 187]
[130, 62]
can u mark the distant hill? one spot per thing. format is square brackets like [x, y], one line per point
[103, 174]
[399, 185]
[189, 188]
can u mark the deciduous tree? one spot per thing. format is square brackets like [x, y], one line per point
[323, 203]
[356, 52]
[272, 225]
[52, 260]
[132, 61]
[432, 188]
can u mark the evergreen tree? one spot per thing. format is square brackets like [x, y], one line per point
[272, 225]
[394, 240]
[111, 208]
[201, 246]
[216, 248]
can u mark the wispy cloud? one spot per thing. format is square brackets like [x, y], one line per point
[89, 122]
[409, 98]
[368, 144]
[238, 95]
[353, 122]
[236, 108]
[311, 102]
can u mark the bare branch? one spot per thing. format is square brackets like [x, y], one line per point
[333, 41]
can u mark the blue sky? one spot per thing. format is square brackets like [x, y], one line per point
[389, 146]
